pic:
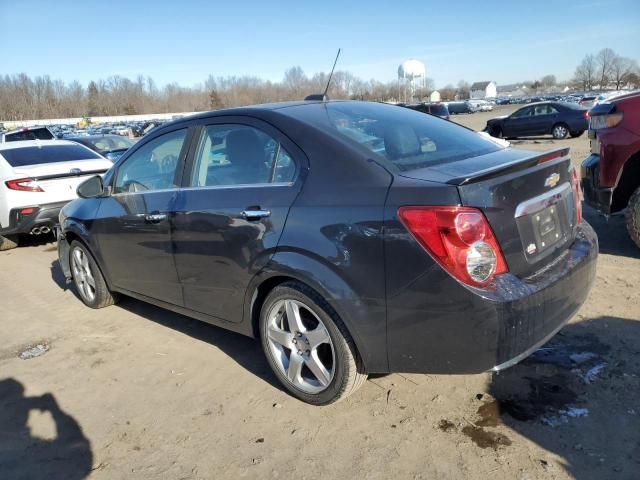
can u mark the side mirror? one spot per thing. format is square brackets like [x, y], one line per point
[91, 188]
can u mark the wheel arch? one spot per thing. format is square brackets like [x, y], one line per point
[627, 183]
[76, 231]
[321, 278]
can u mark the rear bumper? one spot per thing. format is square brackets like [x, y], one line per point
[595, 195]
[43, 216]
[473, 331]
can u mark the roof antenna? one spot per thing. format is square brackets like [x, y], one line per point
[324, 97]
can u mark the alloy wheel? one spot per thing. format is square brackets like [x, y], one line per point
[560, 131]
[301, 346]
[82, 275]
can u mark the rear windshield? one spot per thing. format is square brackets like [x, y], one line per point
[439, 109]
[33, 134]
[408, 139]
[106, 144]
[20, 157]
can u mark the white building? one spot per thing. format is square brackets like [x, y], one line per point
[484, 90]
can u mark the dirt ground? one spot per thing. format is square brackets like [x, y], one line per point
[133, 391]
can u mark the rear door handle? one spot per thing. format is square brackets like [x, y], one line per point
[155, 217]
[255, 214]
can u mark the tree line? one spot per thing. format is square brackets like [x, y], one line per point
[23, 97]
[606, 69]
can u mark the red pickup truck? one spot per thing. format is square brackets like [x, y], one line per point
[611, 174]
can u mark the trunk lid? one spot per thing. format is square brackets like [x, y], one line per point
[527, 198]
[61, 179]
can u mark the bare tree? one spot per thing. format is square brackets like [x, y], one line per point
[621, 69]
[548, 81]
[585, 72]
[604, 62]
[464, 90]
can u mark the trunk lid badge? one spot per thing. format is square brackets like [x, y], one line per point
[552, 180]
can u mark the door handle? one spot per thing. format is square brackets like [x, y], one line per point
[155, 217]
[254, 214]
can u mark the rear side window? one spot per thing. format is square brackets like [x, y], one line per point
[20, 157]
[408, 139]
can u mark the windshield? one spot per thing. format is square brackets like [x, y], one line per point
[408, 139]
[20, 157]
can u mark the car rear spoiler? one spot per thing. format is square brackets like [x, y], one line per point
[509, 167]
[70, 174]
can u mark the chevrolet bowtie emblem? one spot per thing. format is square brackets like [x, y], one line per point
[552, 180]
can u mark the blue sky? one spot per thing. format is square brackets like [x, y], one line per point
[185, 41]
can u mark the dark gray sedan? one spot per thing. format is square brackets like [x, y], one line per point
[559, 119]
[349, 237]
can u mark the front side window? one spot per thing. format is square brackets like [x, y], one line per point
[152, 166]
[525, 112]
[240, 155]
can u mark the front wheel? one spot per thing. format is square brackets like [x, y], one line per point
[88, 279]
[496, 132]
[560, 131]
[308, 347]
[632, 217]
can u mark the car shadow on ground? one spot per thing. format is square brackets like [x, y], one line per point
[58, 276]
[525, 140]
[247, 352]
[27, 241]
[576, 397]
[613, 237]
[22, 455]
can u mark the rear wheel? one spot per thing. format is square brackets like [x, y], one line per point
[560, 131]
[88, 279]
[7, 243]
[632, 216]
[308, 347]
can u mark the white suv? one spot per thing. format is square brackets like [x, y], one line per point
[37, 178]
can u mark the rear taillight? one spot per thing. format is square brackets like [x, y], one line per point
[577, 193]
[459, 239]
[586, 114]
[24, 185]
[599, 122]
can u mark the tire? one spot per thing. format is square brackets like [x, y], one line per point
[632, 217]
[576, 134]
[334, 354]
[7, 243]
[85, 271]
[560, 131]
[496, 132]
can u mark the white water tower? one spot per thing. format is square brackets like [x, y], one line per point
[412, 75]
